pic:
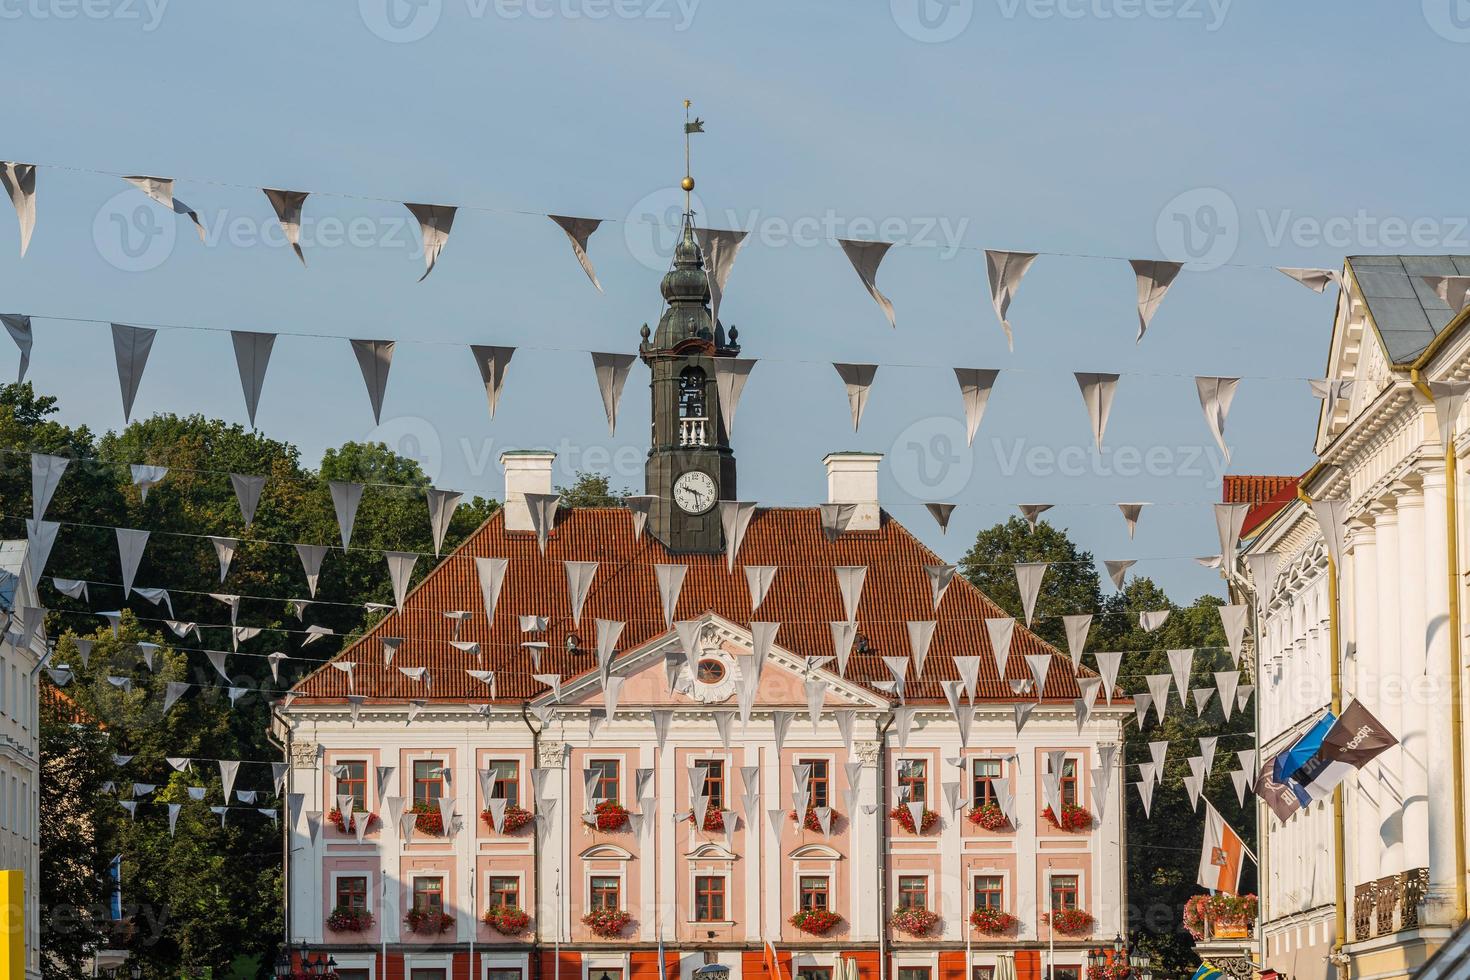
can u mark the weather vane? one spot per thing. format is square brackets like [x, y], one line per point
[695, 125]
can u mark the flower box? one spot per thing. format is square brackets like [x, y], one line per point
[905, 819]
[816, 922]
[810, 821]
[990, 816]
[607, 923]
[335, 818]
[611, 815]
[914, 920]
[345, 919]
[1110, 971]
[508, 920]
[430, 821]
[428, 922]
[1074, 818]
[1070, 922]
[992, 922]
[714, 820]
[1220, 916]
[515, 818]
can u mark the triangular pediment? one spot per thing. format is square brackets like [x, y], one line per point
[726, 654]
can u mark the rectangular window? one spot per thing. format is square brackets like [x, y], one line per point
[913, 892]
[814, 973]
[505, 775]
[714, 782]
[986, 771]
[428, 784]
[353, 783]
[1069, 973]
[352, 892]
[709, 898]
[820, 783]
[989, 891]
[913, 973]
[913, 781]
[504, 890]
[428, 894]
[814, 892]
[431, 973]
[1064, 891]
[982, 973]
[1069, 782]
[503, 974]
[607, 786]
[606, 893]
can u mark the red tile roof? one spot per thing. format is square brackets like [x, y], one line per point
[804, 598]
[1268, 494]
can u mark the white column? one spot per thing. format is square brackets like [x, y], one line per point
[1386, 666]
[1363, 806]
[1436, 709]
[1412, 628]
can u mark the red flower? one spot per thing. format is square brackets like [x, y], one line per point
[515, 818]
[1074, 818]
[817, 922]
[905, 819]
[607, 923]
[714, 820]
[1070, 922]
[914, 920]
[335, 817]
[1204, 912]
[611, 815]
[991, 921]
[990, 816]
[1110, 971]
[428, 922]
[508, 920]
[430, 821]
[345, 919]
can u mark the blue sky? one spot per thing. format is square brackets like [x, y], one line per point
[1271, 134]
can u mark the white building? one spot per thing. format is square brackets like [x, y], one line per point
[1399, 833]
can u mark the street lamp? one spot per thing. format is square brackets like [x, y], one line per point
[1096, 958]
[136, 972]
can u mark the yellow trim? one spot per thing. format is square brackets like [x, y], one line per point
[1339, 846]
[1452, 551]
[12, 925]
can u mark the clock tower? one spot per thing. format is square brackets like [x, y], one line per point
[690, 464]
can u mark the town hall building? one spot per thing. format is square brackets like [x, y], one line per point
[639, 742]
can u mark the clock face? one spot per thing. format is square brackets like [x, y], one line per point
[694, 492]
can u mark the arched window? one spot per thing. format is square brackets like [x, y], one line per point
[692, 417]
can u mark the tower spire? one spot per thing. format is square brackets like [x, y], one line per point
[691, 126]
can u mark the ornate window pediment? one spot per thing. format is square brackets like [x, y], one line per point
[606, 852]
[821, 851]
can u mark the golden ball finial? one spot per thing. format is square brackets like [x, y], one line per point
[687, 183]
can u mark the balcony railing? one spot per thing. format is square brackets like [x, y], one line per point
[1390, 904]
[693, 431]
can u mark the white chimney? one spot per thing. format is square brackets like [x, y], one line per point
[526, 471]
[852, 478]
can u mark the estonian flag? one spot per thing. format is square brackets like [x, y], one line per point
[1207, 972]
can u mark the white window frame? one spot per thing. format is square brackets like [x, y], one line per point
[428, 961]
[930, 769]
[369, 776]
[1082, 887]
[798, 873]
[724, 873]
[928, 876]
[446, 894]
[482, 897]
[1077, 758]
[504, 961]
[621, 874]
[371, 891]
[591, 964]
[1007, 888]
[1003, 760]
[490, 758]
[622, 760]
[356, 961]
[441, 756]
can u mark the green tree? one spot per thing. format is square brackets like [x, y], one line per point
[591, 490]
[1069, 586]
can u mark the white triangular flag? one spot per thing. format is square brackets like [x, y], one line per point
[865, 258]
[1242, 781]
[835, 518]
[1229, 519]
[975, 385]
[1202, 697]
[735, 518]
[1102, 778]
[146, 477]
[845, 719]
[161, 189]
[1152, 619]
[1000, 630]
[1032, 512]
[579, 583]
[763, 636]
[1192, 785]
[670, 584]
[252, 355]
[1028, 580]
[41, 537]
[850, 580]
[1040, 664]
[434, 220]
[608, 632]
[939, 578]
[1158, 688]
[1107, 667]
[374, 359]
[19, 328]
[731, 373]
[1454, 291]
[492, 363]
[442, 505]
[858, 378]
[1130, 516]
[130, 545]
[130, 347]
[1181, 665]
[1232, 618]
[759, 578]
[311, 556]
[400, 570]
[816, 695]
[1154, 278]
[1215, 396]
[345, 499]
[720, 249]
[1076, 628]
[661, 717]
[1146, 794]
[1207, 745]
[1141, 703]
[46, 474]
[1226, 682]
[1004, 270]
[968, 668]
[780, 725]
[578, 230]
[1316, 280]
[844, 634]
[921, 634]
[612, 374]
[227, 773]
[1097, 396]
[20, 184]
[1158, 753]
[288, 206]
[1118, 569]
[247, 494]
